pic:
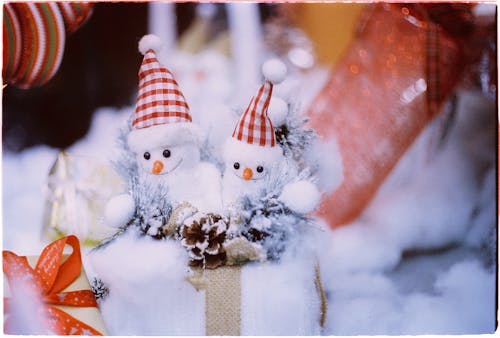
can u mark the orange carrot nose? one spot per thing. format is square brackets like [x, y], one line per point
[157, 167]
[247, 174]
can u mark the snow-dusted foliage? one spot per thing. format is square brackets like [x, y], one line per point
[293, 135]
[265, 219]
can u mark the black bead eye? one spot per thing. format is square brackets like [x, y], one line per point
[236, 165]
[166, 153]
[260, 169]
[147, 155]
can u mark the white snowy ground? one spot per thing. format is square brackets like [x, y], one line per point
[420, 260]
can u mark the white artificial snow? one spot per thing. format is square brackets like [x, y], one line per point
[481, 231]
[148, 292]
[461, 301]
[24, 316]
[280, 298]
[325, 159]
[100, 141]
[23, 197]
[184, 214]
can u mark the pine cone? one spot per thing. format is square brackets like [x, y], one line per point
[203, 235]
[99, 289]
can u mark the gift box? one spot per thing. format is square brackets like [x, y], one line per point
[49, 294]
[165, 297]
[230, 312]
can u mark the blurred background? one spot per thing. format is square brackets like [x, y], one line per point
[100, 62]
[404, 96]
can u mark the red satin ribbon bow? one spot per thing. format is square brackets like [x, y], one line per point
[42, 287]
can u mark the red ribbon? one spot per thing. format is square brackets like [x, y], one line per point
[46, 282]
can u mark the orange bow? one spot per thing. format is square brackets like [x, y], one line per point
[44, 284]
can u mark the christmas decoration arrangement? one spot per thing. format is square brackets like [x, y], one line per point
[49, 294]
[185, 230]
[209, 219]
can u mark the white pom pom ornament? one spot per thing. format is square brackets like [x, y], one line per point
[119, 210]
[302, 196]
[274, 71]
[277, 111]
[150, 42]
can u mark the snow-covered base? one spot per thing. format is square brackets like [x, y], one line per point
[280, 298]
[443, 297]
[149, 293]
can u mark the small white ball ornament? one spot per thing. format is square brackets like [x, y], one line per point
[119, 210]
[302, 196]
[150, 42]
[274, 71]
[277, 111]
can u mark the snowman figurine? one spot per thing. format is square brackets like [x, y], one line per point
[281, 291]
[148, 294]
[251, 154]
[166, 143]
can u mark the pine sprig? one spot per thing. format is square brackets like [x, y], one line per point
[293, 136]
[99, 289]
[267, 220]
[125, 162]
[153, 208]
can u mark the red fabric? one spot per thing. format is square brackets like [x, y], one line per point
[75, 14]
[254, 126]
[160, 100]
[389, 85]
[46, 281]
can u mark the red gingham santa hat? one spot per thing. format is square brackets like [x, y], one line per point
[162, 114]
[255, 126]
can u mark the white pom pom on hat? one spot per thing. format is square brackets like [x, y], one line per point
[274, 71]
[150, 42]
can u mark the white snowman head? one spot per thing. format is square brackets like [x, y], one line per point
[163, 136]
[248, 162]
[252, 153]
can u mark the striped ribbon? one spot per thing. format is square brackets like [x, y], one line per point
[34, 37]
